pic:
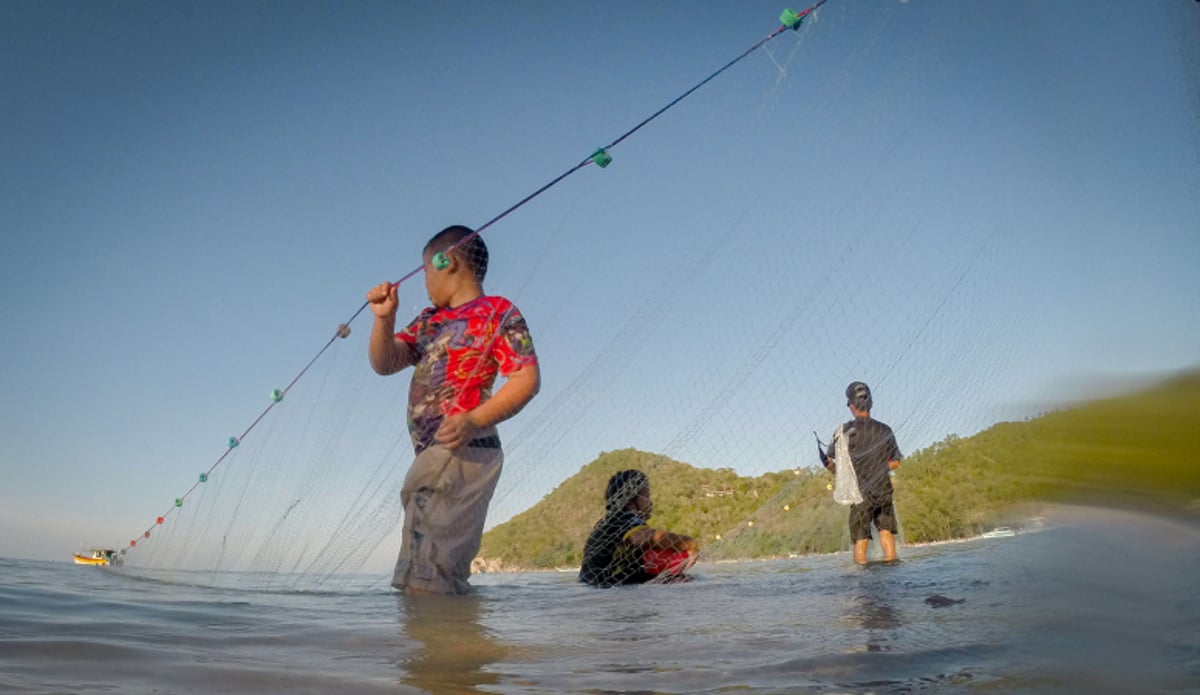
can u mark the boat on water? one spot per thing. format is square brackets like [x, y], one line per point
[101, 557]
[999, 532]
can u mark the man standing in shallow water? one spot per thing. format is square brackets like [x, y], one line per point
[873, 453]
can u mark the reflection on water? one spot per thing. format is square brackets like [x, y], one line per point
[875, 613]
[869, 610]
[452, 647]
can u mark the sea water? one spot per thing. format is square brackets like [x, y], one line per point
[1097, 601]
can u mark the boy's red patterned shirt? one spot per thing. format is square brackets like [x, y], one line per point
[457, 354]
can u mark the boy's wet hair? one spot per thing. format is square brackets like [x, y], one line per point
[623, 488]
[858, 395]
[473, 251]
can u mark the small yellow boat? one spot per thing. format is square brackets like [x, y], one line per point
[98, 556]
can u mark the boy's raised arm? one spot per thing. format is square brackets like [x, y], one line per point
[387, 354]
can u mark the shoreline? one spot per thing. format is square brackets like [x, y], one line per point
[1032, 524]
[1048, 515]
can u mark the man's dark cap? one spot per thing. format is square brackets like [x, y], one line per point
[858, 395]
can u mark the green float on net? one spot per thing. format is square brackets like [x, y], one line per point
[277, 395]
[233, 442]
[601, 158]
[178, 501]
[204, 477]
[790, 19]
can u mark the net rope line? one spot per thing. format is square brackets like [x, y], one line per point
[791, 20]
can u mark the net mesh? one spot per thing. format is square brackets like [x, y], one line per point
[733, 338]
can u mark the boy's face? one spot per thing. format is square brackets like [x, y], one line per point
[642, 503]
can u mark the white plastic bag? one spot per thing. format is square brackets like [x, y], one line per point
[845, 483]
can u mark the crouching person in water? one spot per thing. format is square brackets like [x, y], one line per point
[623, 549]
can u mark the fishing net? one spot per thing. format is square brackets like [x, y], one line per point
[704, 355]
[749, 330]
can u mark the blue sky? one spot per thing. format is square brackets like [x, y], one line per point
[982, 209]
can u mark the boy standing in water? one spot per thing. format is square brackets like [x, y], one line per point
[456, 347]
[873, 454]
[620, 545]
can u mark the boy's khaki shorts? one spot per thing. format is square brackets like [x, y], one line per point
[445, 497]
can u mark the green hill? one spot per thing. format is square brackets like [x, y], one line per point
[1138, 449]
[696, 501]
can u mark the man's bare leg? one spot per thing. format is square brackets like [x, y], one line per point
[860, 551]
[888, 542]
